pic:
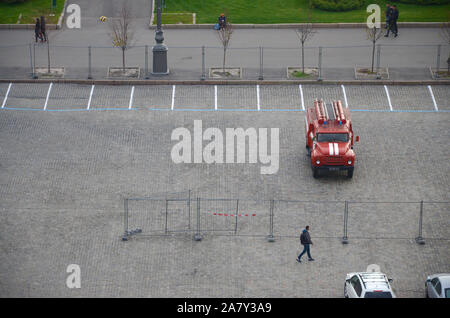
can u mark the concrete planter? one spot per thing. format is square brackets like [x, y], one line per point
[311, 72]
[364, 73]
[441, 74]
[230, 73]
[55, 72]
[118, 72]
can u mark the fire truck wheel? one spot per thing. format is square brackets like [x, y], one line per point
[349, 173]
[315, 173]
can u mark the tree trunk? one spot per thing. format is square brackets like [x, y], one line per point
[303, 57]
[373, 55]
[223, 64]
[123, 60]
[48, 55]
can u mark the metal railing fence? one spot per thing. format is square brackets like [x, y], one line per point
[258, 63]
[345, 220]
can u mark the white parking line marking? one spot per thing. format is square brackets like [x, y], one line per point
[6, 96]
[388, 97]
[215, 97]
[345, 96]
[173, 97]
[48, 95]
[257, 97]
[131, 98]
[90, 97]
[432, 97]
[301, 96]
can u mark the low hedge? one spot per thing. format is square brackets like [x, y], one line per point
[423, 2]
[12, 1]
[337, 5]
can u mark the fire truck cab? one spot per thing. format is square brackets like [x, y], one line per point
[329, 138]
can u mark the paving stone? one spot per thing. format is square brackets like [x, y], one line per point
[106, 97]
[65, 176]
[155, 97]
[66, 97]
[27, 96]
[410, 97]
[442, 96]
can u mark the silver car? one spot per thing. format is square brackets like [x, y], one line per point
[438, 286]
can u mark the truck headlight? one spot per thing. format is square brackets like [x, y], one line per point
[318, 162]
[349, 162]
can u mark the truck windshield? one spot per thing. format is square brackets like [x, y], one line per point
[332, 137]
[378, 295]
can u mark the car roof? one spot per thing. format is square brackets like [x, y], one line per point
[373, 281]
[444, 278]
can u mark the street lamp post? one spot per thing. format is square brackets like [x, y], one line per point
[160, 49]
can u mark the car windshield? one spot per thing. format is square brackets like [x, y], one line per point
[332, 137]
[447, 293]
[378, 295]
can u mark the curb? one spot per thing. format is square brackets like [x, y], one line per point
[57, 26]
[297, 25]
[227, 82]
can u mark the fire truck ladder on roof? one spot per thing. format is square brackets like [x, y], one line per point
[320, 112]
[339, 112]
[330, 111]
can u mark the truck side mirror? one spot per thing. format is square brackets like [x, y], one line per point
[357, 139]
[390, 280]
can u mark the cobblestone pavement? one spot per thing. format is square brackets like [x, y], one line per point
[64, 176]
[64, 97]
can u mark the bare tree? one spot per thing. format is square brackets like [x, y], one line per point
[224, 35]
[374, 34]
[445, 32]
[304, 33]
[121, 31]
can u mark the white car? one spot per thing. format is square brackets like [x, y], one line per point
[368, 285]
[438, 286]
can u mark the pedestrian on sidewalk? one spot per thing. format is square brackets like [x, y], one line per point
[388, 14]
[393, 21]
[37, 30]
[43, 34]
[395, 14]
[222, 21]
[305, 240]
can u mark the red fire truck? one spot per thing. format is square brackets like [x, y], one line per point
[329, 138]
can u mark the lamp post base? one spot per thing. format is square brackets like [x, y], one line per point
[160, 60]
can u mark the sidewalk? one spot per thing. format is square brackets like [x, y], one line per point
[408, 57]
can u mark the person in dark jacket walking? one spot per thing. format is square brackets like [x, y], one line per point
[393, 22]
[44, 35]
[395, 18]
[37, 30]
[305, 240]
[388, 14]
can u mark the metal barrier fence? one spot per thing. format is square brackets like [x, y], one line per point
[194, 62]
[272, 219]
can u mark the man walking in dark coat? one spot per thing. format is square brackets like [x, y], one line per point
[37, 30]
[393, 21]
[394, 18]
[44, 35]
[388, 14]
[305, 240]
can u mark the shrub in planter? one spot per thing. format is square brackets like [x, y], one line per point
[337, 5]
